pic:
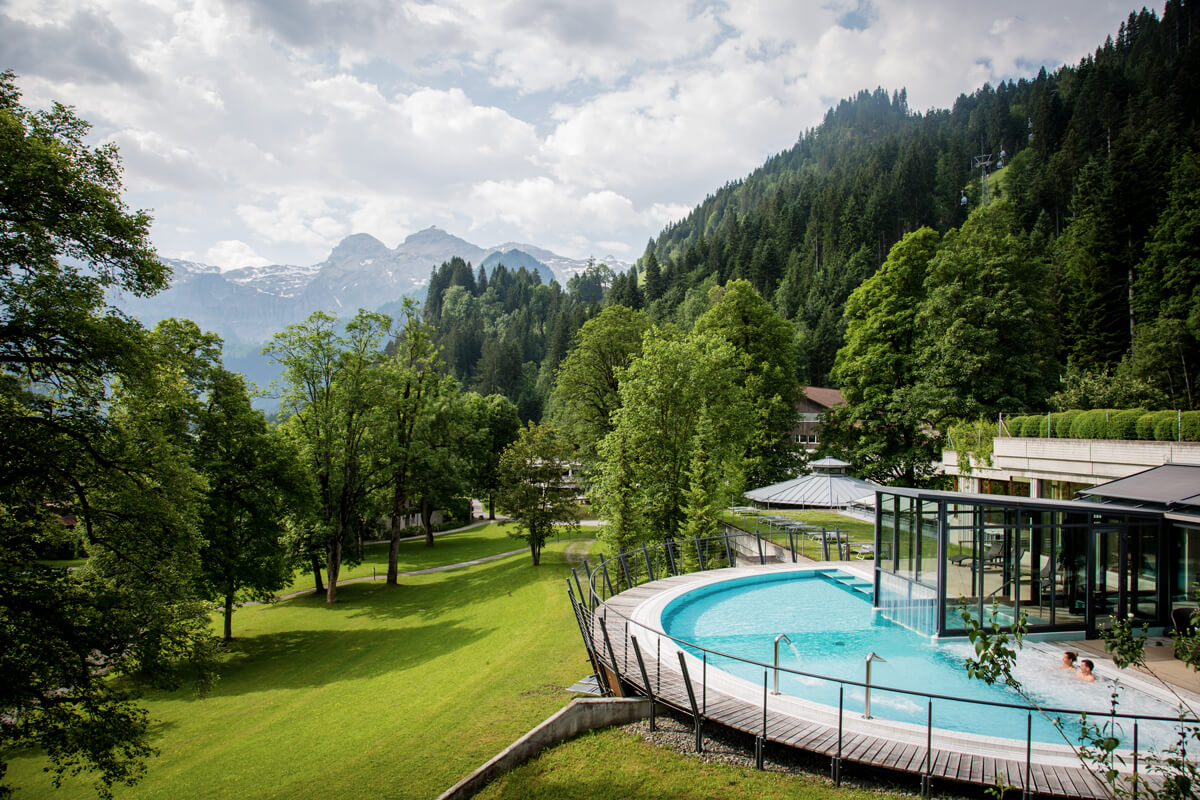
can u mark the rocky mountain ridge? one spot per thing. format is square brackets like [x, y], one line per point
[248, 304]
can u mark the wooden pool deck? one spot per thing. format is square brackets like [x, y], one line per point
[957, 764]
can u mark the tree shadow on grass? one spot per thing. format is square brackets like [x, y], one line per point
[488, 582]
[302, 659]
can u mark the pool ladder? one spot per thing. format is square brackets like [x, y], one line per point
[784, 636]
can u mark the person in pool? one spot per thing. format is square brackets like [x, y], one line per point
[1085, 671]
[1069, 659]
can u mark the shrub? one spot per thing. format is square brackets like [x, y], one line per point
[1035, 426]
[1090, 425]
[1013, 424]
[1191, 426]
[1060, 423]
[1166, 426]
[1123, 424]
[1145, 424]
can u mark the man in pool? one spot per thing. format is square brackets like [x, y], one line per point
[1085, 671]
[1069, 659]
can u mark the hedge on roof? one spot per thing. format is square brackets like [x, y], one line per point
[1108, 423]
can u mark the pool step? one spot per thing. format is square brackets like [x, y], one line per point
[855, 583]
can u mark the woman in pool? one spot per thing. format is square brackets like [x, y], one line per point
[1085, 671]
[1069, 659]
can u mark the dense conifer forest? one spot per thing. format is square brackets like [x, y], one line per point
[1095, 163]
[1099, 167]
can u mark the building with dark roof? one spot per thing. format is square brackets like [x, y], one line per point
[815, 402]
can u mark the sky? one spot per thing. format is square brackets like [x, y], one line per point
[265, 131]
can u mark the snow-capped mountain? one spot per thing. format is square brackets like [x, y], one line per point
[248, 305]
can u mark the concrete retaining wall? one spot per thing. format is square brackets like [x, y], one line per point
[581, 714]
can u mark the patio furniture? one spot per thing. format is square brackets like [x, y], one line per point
[994, 552]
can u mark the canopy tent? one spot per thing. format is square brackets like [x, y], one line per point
[827, 486]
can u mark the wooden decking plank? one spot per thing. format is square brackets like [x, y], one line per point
[881, 757]
[906, 756]
[861, 747]
[952, 762]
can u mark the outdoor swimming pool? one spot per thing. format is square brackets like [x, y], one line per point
[832, 628]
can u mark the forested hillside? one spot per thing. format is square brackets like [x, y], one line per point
[1099, 169]
[504, 331]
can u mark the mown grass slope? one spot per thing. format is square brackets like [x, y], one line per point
[391, 693]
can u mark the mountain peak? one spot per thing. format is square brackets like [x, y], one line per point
[433, 235]
[358, 246]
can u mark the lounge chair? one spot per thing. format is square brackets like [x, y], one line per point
[995, 552]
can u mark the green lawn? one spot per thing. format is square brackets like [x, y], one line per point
[616, 765]
[449, 548]
[392, 692]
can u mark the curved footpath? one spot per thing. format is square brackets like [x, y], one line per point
[444, 567]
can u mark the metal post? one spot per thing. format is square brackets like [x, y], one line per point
[583, 598]
[867, 692]
[824, 544]
[1135, 758]
[625, 568]
[637, 651]
[658, 665]
[1025, 791]
[601, 680]
[699, 553]
[761, 559]
[704, 685]
[612, 654]
[927, 778]
[792, 544]
[728, 551]
[607, 582]
[761, 739]
[687, 682]
[789, 641]
[671, 558]
[649, 569]
[836, 767]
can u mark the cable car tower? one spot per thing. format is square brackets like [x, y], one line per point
[983, 162]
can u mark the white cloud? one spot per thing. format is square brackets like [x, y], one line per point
[295, 218]
[279, 126]
[231, 254]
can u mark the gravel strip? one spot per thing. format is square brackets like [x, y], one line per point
[723, 745]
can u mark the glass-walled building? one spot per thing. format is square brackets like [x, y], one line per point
[1068, 565]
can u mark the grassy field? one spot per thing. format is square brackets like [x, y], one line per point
[616, 765]
[391, 693]
[450, 548]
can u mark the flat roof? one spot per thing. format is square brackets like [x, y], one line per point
[1015, 501]
[1167, 485]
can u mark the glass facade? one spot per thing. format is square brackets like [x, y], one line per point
[1064, 566]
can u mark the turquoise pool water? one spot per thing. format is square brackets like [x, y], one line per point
[833, 627]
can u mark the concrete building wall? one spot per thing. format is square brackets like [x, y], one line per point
[1058, 467]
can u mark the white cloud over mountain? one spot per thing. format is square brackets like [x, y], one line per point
[267, 130]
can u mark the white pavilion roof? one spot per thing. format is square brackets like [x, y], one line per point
[820, 489]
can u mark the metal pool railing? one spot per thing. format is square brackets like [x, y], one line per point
[616, 645]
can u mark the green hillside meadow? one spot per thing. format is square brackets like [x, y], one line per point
[392, 693]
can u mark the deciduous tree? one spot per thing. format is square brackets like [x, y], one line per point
[533, 487]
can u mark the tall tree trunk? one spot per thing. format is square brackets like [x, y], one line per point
[491, 505]
[228, 615]
[399, 506]
[316, 568]
[427, 521]
[335, 566]
[535, 551]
